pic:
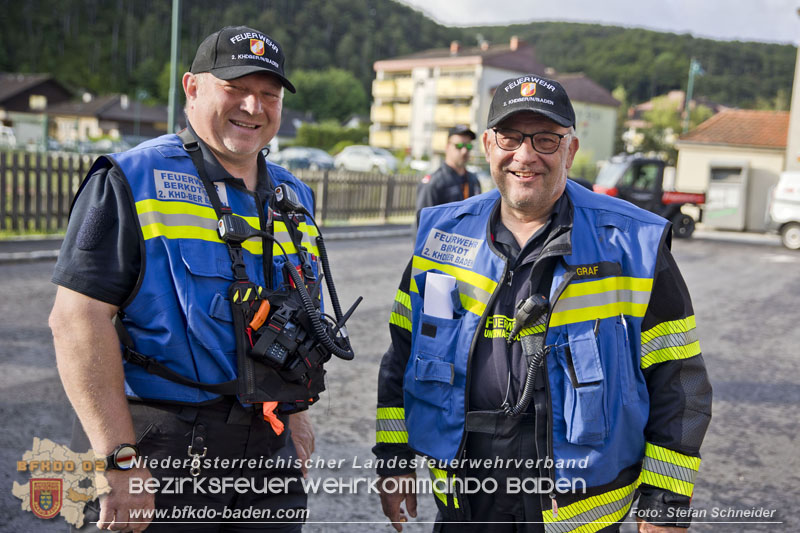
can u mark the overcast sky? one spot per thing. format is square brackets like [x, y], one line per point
[747, 20]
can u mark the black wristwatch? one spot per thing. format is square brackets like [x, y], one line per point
[123, 457]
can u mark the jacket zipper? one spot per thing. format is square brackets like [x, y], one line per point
[549, 403]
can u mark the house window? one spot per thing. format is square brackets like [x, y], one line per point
[37, 102]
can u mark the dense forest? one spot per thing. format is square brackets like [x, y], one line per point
[124, 46]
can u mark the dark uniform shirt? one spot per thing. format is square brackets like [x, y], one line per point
[493, 358]
[101, 256]
[444, 186]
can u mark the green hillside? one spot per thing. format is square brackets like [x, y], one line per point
[123, 45]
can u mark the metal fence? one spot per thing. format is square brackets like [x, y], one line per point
[36, 191]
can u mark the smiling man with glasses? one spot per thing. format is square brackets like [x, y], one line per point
[561, 375]
[452, 181]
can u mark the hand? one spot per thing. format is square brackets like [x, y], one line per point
[303, 437]
[391, 501]
[647, 527]
[116, 505]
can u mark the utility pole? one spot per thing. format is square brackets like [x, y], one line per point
[173, 65]
[694, 70]
[793, 138]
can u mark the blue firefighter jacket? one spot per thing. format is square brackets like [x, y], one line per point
[452, 241]
[180, 314]
[597, 399]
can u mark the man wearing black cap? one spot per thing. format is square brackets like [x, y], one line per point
[452, 181]
[176, 402]
[544, 354]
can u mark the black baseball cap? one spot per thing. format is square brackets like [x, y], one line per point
[531, 93]
[461, 129]
[236, 51]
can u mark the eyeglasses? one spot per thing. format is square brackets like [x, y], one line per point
[468, 146]
[544, 142]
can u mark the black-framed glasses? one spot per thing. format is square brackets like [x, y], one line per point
[468, 146]
[544, 142]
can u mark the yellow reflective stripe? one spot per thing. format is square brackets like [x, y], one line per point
[437, 473]
[467, 276]
[666, 482]
[592, 514]
[473, 306]
[403, 298]
[400, 321]
[184, 220]
[282, 234]
[602, 298]
[192, 232]
[391, 413]
[391, 437]
[670, 341]
[592, 313]
[401, 311]
[615, 283]
[175, 208]
[390, 426]
[470, 304]
[474, 290]
[669, 469]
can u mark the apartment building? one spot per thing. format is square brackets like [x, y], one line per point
[417, 98]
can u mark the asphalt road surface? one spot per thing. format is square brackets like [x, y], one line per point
[745, 297]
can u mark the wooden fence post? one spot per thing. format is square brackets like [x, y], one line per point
[389, 200]
[16, 169]
[5, 164]
[324, 210]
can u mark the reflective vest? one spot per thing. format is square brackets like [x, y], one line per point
[180, 313]
[598, 401]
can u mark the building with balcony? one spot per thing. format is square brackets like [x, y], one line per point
[417, 98]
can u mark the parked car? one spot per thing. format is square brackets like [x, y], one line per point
[784, 209]
[364, 158]
[295, 157]
[7, 137]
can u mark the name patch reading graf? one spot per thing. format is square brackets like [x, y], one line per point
[186, 188]
[451, 248]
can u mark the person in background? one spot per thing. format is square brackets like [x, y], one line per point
[452, 181]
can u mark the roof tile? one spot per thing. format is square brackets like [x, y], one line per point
[768, 129]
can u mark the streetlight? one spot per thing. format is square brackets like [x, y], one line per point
[694, 70]
[173, 65]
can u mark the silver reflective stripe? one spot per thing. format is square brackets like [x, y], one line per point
[601, 298]
[669, 469]
[177, 219]
[400, 309]
[464, 288]
[584, 521]
[387, 424]
[672, 340]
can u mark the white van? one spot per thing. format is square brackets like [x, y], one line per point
[784, 209]
[7, 137]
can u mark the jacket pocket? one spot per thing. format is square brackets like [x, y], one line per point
[432, 367]
[208, 318]
[584, 383]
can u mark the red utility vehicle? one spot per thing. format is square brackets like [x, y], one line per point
[640, 181]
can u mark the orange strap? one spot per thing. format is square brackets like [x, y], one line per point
[270, 416]
[466, 190]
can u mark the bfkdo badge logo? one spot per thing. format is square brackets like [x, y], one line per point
[527, 89]
[46, 497]
[257, 47]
